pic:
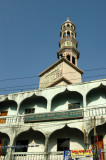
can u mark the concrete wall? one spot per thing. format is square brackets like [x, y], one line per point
[9, 106]
[96, 97]
[76, 138]
[71, 74]
[61, 101]
[39, 103]
[35, 138]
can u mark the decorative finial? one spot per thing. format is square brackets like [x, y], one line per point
[67, 18]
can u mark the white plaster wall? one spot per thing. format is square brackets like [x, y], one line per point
[39, 107]
[61, 103]
[35, 138]
[71, 74]
[11, 110]
[76, 142]
[98, 98]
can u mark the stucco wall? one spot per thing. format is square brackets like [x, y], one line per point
[96, 97]
[35, 138]
[61, 101]
[71, 74]
[76, 139]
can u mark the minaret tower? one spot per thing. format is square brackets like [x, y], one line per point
[65, 70]
[68, 43]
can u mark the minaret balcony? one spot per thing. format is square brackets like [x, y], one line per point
[70, 48]
[71, 39]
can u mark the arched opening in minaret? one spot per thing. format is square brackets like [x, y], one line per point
[73, 60]
[64, 34]
[68, 25]
[72, 34]
[68, 57]
[68, 34]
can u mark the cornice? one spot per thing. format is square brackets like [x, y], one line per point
[58, 62]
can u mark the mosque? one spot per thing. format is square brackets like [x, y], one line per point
[63, 114]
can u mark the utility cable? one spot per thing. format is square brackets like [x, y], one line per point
[9, 79]
[44, 83]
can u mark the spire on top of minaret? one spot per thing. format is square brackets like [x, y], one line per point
[67, 18]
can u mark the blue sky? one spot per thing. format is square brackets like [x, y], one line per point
[29, 37]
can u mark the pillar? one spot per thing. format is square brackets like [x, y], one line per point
[18, 107]
[46, 146]
[48, 105]
[9, 150]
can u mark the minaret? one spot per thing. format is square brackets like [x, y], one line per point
[68, 43]
[65, 70]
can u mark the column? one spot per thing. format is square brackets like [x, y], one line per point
[9, 150]
[48, 105]
[86, 141]
[76, 61]
[71, 58]
[84, 106]
[18, 107]
[46, 146]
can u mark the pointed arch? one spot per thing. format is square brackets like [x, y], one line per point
[61, 100]
[97, 96]
[38, 103]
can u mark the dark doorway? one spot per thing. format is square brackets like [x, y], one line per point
[63, 144]
[21, 145]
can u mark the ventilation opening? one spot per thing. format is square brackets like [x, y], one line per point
[68, 57]
[73, 60]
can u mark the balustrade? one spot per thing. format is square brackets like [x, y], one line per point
[95, 111]
[37, 156]
[89, 111]
[28, 156]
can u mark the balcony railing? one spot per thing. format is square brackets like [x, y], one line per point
[5, 120]
[89, 111]
[37, 156]
[95, 111]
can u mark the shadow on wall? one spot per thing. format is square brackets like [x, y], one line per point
[9, 106]
[30, 137]
[97, 96]
[75, 136]
[61, 101]
[39, 103]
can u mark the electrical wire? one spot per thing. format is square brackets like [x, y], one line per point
[3, 89]
[9, 79]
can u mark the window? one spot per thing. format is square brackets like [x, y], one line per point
[64, 35]
[29, 110]
[73, 60]
[68, 25]
[68, 57]
[3, 113]
[63, 144]
[73, 105]
[68, 34]
[21, 143]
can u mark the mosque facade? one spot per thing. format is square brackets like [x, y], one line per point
[63, 114]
